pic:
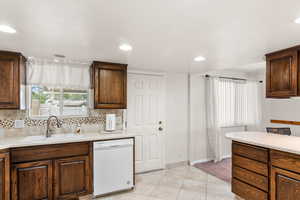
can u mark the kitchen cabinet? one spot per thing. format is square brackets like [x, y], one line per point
[12, 80]
[4, 176]
[32, 180]
[109, 83]
[72, 177]
[285, 185]
[262, 174]
[250, 171]
[58, 171]
[282, 78]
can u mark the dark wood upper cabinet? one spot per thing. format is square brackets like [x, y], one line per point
[4, 176]
[109, 81]
[282, 74]
[12, 77]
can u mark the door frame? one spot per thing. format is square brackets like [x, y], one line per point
[163, 118]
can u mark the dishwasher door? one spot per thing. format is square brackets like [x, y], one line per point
[113, 166]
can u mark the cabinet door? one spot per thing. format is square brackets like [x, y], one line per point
[9, 81]
[32, 181]
[72, 177]
[285, 185]
[110, 85]
[4, 176]
[282, 74]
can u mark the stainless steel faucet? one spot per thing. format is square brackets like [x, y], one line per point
[49, 131]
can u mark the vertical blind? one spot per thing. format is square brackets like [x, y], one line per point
[237, 102]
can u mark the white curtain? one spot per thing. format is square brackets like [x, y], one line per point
[212, 118]
[230, 103]
[58, 74]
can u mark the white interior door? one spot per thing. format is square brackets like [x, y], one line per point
[145, 118]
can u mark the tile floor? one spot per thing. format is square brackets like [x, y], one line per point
[181, 183]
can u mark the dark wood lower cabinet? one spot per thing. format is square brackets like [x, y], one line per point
[248, 192]
[4, 176]
[270, 175]
[32, 181]
[72, 177]
[285, 185]
[56, 172]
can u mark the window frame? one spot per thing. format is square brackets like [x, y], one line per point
[61, 99]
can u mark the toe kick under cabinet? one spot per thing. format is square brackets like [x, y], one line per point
[264, 174]
[59, 171]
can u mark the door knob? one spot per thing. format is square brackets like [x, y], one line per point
[160, 129]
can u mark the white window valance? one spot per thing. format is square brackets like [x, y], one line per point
[58, 74]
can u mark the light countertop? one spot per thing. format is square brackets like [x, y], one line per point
[284, 143]
[25, 141]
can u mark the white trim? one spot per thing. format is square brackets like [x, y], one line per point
[146, 73]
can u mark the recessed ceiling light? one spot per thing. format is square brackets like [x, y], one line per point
[7, 29]
[297, 21]
[199, 59]
[125, 47]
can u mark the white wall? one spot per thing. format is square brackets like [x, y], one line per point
[198, 148]
[176, 117]
[182, 145]
[279, 109]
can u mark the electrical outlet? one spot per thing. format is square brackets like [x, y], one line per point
[19, 123]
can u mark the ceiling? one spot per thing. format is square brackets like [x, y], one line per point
[165, 34]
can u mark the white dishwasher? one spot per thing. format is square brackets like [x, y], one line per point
[113, 166]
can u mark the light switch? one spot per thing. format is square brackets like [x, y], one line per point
[19, 123]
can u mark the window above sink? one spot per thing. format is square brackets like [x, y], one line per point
[58, 88]
[47, 101]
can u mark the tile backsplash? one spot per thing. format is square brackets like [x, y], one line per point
[95, 121]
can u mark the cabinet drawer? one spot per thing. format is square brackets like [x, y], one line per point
[285, 160]
[49, 152]
[252, 165]
[249, 151]
[251, 178]
[247, 192]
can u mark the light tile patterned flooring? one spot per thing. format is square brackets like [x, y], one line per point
[181, 183]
